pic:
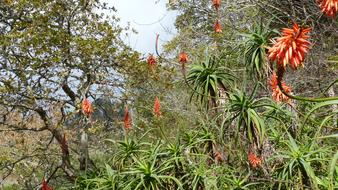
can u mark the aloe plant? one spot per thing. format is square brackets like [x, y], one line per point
[109, 180]
[126, 149]
[298, 161]
[244, 110]
[198, 175]
[330, 182]
[255, 49]
[149, 172]
[206, 78]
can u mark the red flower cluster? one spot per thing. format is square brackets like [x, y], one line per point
[329, 7]
[87, 107]
[151, 60]
[291, 47]
[45, 185]
[127, 119]
[218, 157]
[216, 4]
[157, 107]
[183, 58]
[277, 94]
[218, 27]
[254, 160]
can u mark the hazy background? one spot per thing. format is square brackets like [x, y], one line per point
[148, 18]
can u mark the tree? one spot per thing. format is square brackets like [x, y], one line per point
[53, 55]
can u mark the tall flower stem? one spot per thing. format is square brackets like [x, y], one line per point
[162, 133]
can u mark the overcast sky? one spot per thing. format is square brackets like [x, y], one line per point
[147, 17]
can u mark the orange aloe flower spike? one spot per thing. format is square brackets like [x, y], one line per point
[216, 4]
[183, 57]
[218, 157]
[218, 27]
[87, 108]
[45, 185]
[254, 160]
[127, 119]
[157, 107]
[329, 7]
[151, 60]
[291, 47]
[277, 94]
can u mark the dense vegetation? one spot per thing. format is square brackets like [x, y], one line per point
[243, 97]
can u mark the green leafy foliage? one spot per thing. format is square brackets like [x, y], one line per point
[206, 77]
[298, 162]
[244, 109]
[256, 44]
[182, 164]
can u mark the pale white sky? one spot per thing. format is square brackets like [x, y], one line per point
[148, 18]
